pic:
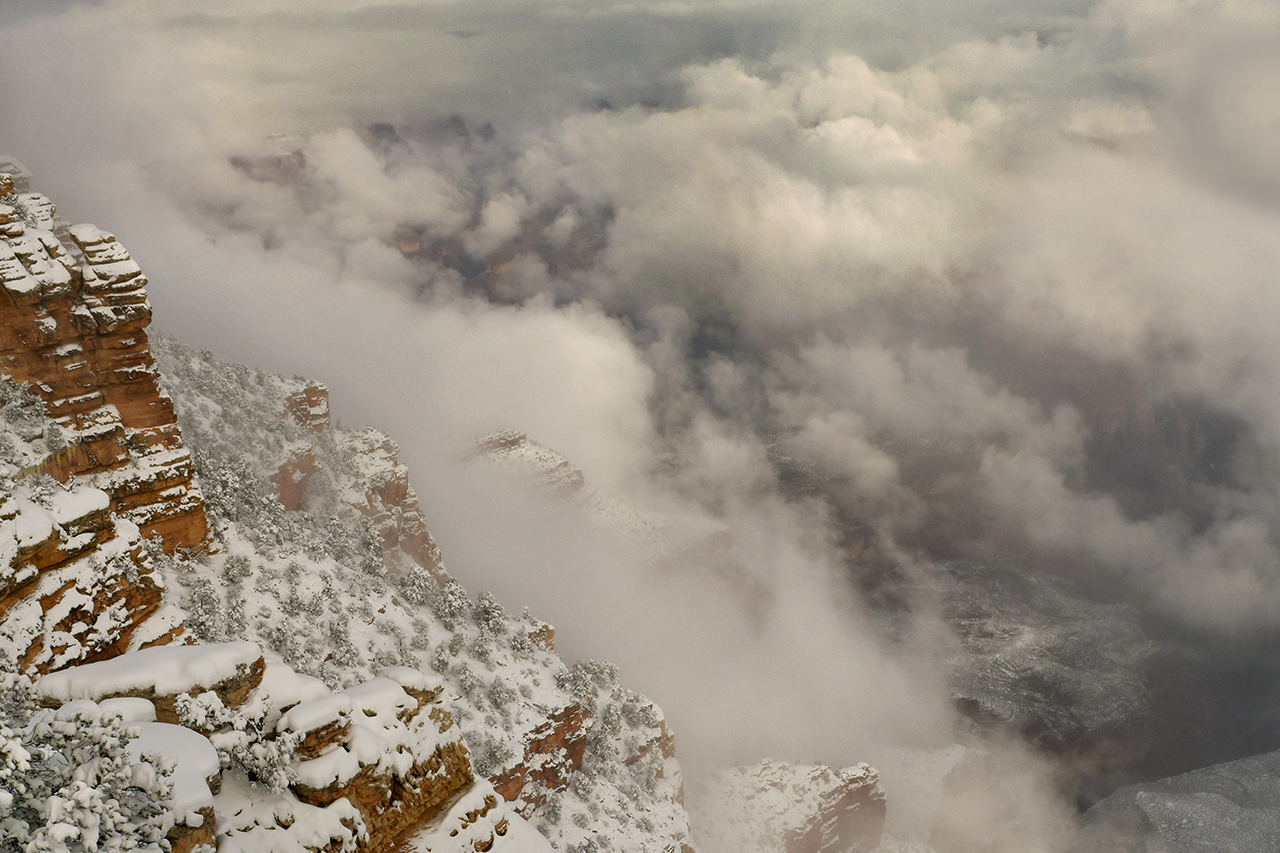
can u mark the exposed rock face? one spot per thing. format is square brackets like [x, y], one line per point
[75, 582]
[544, 637]
[231, 671]
[291, 479]
[74, 321]
[552, 751]
[791, 808]
[371, 765]
[187, 839]
[396, 793]
[849, 817]
[1232, 806]
[391, 503]
[309, 406]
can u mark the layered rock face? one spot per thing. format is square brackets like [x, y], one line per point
[77, 584]
[322, 559]
[390, 502]
[552, 751]
[74, 321]
[326, 560]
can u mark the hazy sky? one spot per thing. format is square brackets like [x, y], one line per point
[1005, 273]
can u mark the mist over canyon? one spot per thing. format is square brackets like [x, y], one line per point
[954, 323]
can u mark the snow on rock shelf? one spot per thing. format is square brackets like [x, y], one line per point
[231, 670]
[92, 462]
[76, 583]
[370, 766]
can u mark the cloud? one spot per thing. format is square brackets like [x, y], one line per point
[973, 279]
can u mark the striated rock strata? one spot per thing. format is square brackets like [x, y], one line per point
[371, 766]
[74, 318]
[76, 583]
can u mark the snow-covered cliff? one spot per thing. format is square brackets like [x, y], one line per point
[245, 622]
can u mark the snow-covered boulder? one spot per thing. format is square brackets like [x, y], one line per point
[230, 670]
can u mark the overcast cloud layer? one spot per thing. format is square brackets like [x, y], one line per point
[997, 278]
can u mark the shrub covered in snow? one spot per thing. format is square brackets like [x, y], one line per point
[67, 782]
[451, 604]
[311, 587]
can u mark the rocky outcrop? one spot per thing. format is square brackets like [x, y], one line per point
[793, 808]
[381, 491]
[664, 745]
[309, 406]
[552, 752]
[390, 502]
[74, 330]
[371, 765]
[291, 478]
[76, 583]
[552, 472]
[231, 671]
[849, 817]
[335, 762]
[184, 838]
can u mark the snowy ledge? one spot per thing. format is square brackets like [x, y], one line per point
[159, 671]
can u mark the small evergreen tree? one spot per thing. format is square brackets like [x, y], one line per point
[204, 612]
[450, 603]
[417, 585]
[488, 614]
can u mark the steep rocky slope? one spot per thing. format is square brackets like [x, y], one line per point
[775, 807]
[348, 692]
[339, 587]
[78, 584]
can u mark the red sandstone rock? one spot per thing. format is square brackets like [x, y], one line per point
[394, 803]
[544, 637]
[849, 819]
[390, 502]
[291, 479]
[73, 328]
[73, 311]
[309, 407]
[185, 839]
[552, 752]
